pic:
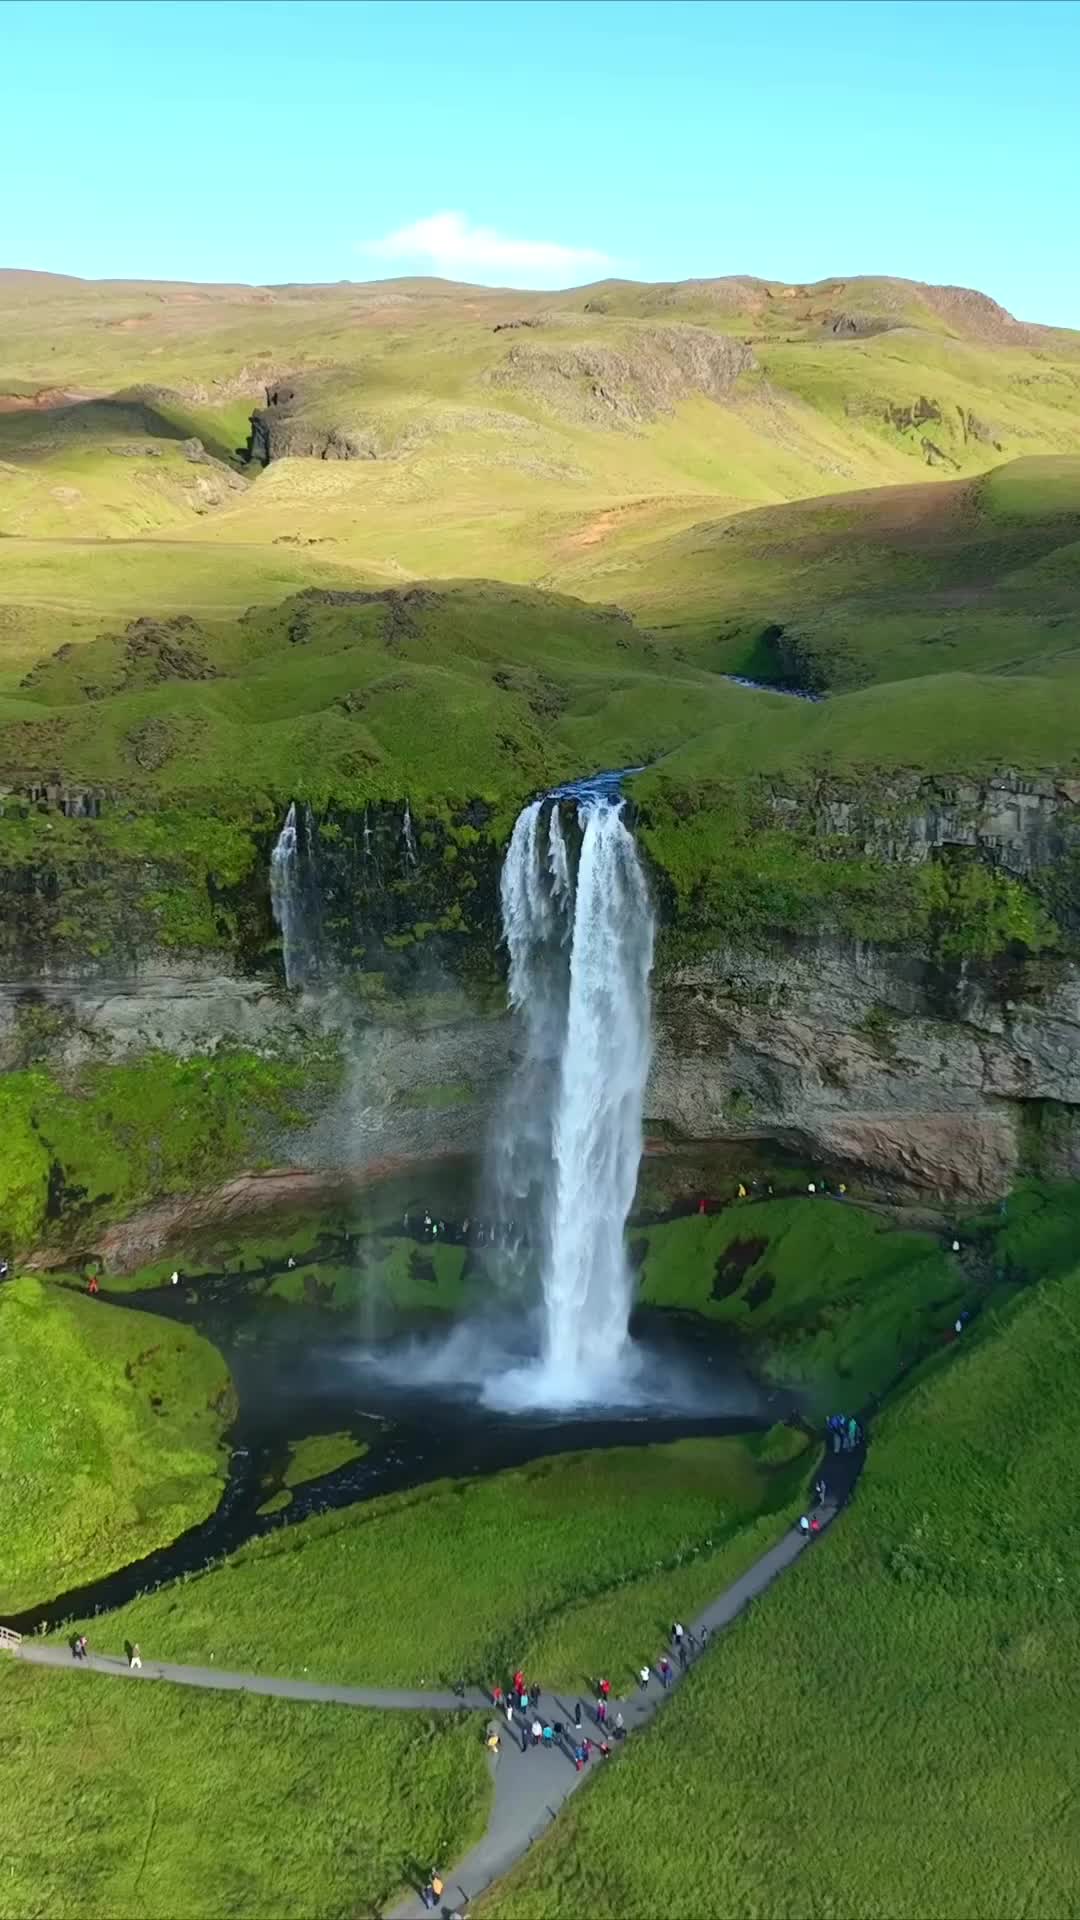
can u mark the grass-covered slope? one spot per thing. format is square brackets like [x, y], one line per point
[109, 1429]
[156, 1801]
[892, 1729]
[424, 430]
[570, 1566]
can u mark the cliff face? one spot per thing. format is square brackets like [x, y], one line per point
[851, 1053]
[916, 1061]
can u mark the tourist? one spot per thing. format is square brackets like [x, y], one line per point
[677, 1633]
[620, 1727]
[815, 1525]
[519, 1681]
[605, 1689]
[537, 1732]
[523, 1701]
[175, 1276]
[93, 1286]
[665, 1672]
[821, 1490]
[643, 1678]
[601, 1712]
[5, 1269]
[496, 1696]
[811, 1188]
[290, 1263]
[577, 1715]
[580, 1757]
[804, 1525]
[853, 1432]
[509, 1714]
[534, 1695]
[741, 1191]
[135, 1659]
[956, 1246]
[493, 1742]
[548, 1735]
[682, 1656]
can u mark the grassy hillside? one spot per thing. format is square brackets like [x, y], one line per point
[109, 1424]
[573, 440]
[591, 1550]
[891, 1730]
[326, 1807]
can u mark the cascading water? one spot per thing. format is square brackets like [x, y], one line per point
[408, 836]
[580, 949]
[294, 898]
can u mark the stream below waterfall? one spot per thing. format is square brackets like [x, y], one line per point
[299, 1372]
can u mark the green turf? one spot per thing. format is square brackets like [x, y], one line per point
[824, 1296]
[153, 1802]
[110, 1423]
[570, 1565]
[891, 1731]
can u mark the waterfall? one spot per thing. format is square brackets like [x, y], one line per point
[408, 836]
[294, 898]
[580, 952]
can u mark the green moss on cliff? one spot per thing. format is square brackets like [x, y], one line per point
[114, 1136]
[736, 861]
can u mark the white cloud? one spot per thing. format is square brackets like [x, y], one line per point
[453, 245]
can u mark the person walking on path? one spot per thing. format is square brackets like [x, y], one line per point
[494, 1742]
[577, 1715]
[620, 1727]
[509, 1714]
[496, 1696]
[643, 1678]
[605, 1689]
[665, 1672]
[548, 1735]
[135, 1659]
[804, 1526]
[601, 1712]
[678, 1634]
[852, 1433]
[537, 1732]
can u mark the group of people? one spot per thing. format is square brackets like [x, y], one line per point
[844, 1432]
[521, 1704]
[467, 1232]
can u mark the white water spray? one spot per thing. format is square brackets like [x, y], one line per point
[580, 956]
[291, 901]
[408, 836]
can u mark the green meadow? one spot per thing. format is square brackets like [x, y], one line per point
[890, 1731]
[110, 1429]
[162, 1801]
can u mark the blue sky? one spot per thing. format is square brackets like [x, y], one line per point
[546, 145]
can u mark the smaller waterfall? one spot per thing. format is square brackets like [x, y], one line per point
[294, 898]
[367, 833]
[408, 836]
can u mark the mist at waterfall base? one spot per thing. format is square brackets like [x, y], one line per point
[566, 1143]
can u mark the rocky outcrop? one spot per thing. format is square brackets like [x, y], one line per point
[626, 386]
[284, 430]
[838, 1049]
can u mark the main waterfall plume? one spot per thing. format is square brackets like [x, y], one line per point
[580, 946]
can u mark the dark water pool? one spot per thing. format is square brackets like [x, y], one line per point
[301, 1373]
